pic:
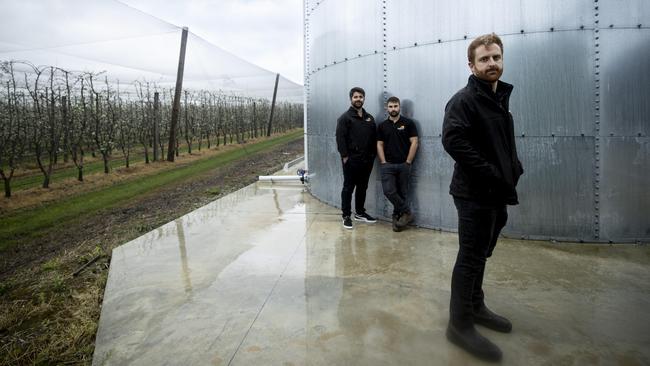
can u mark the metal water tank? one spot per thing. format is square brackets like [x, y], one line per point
[581, 103]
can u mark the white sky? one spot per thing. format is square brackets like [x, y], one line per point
[268, 33]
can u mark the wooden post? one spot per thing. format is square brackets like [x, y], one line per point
[156, 125]
[254, 122]
[66, 123]
[275, 92]
[177, 98]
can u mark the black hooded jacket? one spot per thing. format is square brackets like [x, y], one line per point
[356, 137]
[478, 133]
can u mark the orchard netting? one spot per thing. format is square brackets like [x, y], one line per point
[97, 77]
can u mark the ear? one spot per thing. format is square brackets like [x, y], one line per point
[471, 67]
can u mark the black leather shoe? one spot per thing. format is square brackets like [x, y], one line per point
[471, 341]
[488, 319]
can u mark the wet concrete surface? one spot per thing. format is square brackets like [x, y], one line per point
[268, 276]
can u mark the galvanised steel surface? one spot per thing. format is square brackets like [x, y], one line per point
[580, 103]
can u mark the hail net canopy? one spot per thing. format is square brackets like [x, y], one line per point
[125, 47]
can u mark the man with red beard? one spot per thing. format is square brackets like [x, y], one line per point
[356, 139]
[478, 133]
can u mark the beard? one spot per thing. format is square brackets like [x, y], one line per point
[358, 104]
[492, 74]
[393, 113]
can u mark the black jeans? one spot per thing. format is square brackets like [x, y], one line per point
[356, 174]
[479, 226]
[395, 183]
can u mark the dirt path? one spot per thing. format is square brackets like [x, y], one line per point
[49, 316]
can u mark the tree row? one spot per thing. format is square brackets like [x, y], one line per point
[48, 114]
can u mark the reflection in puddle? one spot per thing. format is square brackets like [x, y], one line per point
[185, 271]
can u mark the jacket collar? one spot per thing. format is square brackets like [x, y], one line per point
[353, 112]
[503, 89]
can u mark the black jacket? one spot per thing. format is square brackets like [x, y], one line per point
[478, 133]
[356, 137]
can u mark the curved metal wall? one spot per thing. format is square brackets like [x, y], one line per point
[581, 103]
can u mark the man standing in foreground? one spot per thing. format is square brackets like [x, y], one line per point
[397, 143]
[356, 138]
[478, 133]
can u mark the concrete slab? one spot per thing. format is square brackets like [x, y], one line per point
[268, 276]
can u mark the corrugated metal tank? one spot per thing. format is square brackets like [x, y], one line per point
[581, 103]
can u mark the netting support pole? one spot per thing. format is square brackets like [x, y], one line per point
[177, 98]
[156, 125]
[275, 92]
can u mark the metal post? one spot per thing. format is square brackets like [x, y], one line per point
[156, 125]
[275, 92]
[177, 98]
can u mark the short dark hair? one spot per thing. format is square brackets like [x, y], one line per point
[356, 89]
[484, 40]
[393, 99]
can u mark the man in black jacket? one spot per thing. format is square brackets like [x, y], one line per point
[356, 139]
[478, 133]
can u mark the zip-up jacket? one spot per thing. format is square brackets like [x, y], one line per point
[356, 137]
[478, 133]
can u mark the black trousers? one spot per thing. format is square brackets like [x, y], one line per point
[395, 183]
[356, 174]
[479, 226]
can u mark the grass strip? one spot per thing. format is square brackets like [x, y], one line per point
[33, 222]
[97, 165]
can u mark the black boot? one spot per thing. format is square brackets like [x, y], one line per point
[395, 227]
[488, 319]
[471, 341]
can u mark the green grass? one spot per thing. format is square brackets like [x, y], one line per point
[35, 179]
[35, 221]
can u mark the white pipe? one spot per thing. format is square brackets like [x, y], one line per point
[305, 84]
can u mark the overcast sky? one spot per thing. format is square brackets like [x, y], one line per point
[267, 33]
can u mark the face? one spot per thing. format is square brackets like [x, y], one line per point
[488, 63]
[357, 100]
[393, 109]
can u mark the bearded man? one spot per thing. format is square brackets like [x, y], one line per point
[478, 133]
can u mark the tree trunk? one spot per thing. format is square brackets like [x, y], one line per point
[7, 181]
[106, 167]
[7, 188]
[46, 179]
[80, 173]
[49, 173]
[146, 155]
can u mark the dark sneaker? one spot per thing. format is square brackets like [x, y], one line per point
[471, 341]
[364, 217]
[347, 222]
[405, 219]
[488, 319]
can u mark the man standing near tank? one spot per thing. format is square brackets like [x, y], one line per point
[397, 143]
[356, 139]
[478, 133]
